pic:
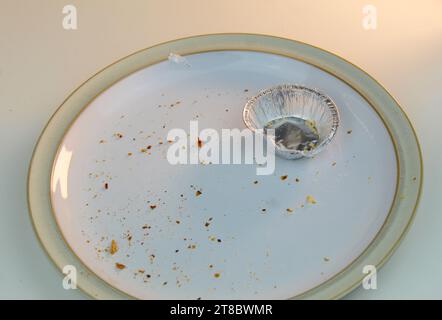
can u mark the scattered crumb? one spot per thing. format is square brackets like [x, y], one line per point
[246, 90]
[198, 193]
[255, 182]
[349, 131]
[102, 141]
[284, 177]
[199, 143]
[297, 179]
[129, 154]
[326, 259]
[311, 200]
[113, 247]
[118, 135]
[414, 178]
[120, 266]
[289, 210]
[217, 275]
[106, 186]
[153, 207]
[333, 164]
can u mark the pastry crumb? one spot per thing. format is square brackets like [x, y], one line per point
[311, 200]
[120, 266]
[113, 247]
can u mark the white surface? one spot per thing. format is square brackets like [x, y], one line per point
[270, 255]
[40, 63]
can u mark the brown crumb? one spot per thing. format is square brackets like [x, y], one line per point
[120, 266]
[255, 182]
[349, 131]
[113, 247]
[129, 154]
[178, 222]
[290, 210]
[284, 177]
[106, 186]
[199, 143]
[198, 193]
[118, 135]
[149, 147]
[333, 164]
[217, 275]
[153, 207]
[297, 180]
[102, 141]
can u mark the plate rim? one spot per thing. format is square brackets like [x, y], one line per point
[47, 146]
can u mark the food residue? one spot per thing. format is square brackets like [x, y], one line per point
[284, 177]
[120, 266]
[311, 200]
[113, 247]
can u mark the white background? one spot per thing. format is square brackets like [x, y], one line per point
[41, 63]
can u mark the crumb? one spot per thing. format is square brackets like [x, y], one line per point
[326, 259]
[333, 164]
[349, 131]
[178, 222]
[118, 135]
[246, 90]
[149, 147]
[414, 178]
[120, 266]
[129, 154]
[102, 141]
[153, 207]
[198, 193]
[113, 247]
[284, 177]
[217, 275]
[106, 186]
[199, 143]
[255, 182]
[290, 210]
[297, 180]
[263, 210]
[311, 200]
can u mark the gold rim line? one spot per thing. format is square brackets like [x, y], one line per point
[121, 78]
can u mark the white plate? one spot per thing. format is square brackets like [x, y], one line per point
[105, 180]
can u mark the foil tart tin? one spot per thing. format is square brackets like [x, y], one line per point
[304, 120]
